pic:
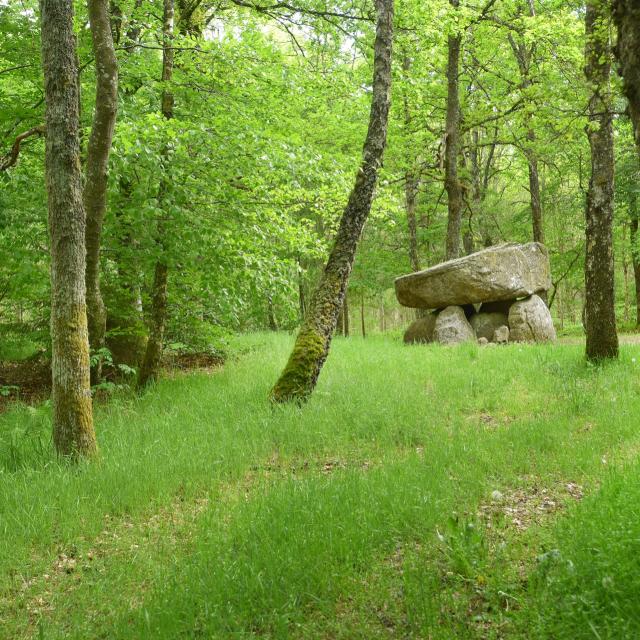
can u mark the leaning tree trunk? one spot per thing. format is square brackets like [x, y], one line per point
[153, 353]
[452, 136]
[314, 339]
[73, 433]
[95, 189]
[600, 319]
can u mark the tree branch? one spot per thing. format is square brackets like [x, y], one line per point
[11, 158]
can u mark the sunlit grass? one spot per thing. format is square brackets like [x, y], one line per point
[321, 521]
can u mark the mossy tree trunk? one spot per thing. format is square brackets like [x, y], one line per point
[73, 432]
[626, 14]
[155, 343]
[99, 147]
[314, 339]
[600, 319]
[452, 144]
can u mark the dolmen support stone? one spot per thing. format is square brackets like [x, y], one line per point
[504, 278]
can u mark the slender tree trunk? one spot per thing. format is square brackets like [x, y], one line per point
[625, 277]
[273, 323]
[411, 184]
[536, 201]
[155, 343]
[411, 203]
[302, 304]
[157, 324]
[411, 181]
[600, 320]
[340, 322]
[95, 189]
[523, 54]
[451, 180]
[345, 314]
[73, 433]
[362, 322]
[635, 253]
[314, 339]
[534, 190]
[626, 14]
[481, 175]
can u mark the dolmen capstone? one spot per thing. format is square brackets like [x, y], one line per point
[490, 296]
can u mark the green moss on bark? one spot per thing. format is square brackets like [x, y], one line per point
[299, 376]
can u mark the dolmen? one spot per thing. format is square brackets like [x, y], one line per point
[490, 296]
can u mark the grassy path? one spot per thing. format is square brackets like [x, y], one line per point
[387, 507]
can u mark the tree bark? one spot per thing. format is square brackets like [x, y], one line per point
[99, 147]
[635, 252]
[345, 314]
[153, 354]
[271, 314]
[600, 320]
[480, 177]
[626, 14]
[340, 322]
[451, 180]
[534, 190]
[314, 339]
[73, 432]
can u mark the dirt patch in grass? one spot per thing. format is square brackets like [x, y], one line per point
[166, 531]
[521, 508]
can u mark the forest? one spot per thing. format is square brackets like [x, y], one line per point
[319, 319]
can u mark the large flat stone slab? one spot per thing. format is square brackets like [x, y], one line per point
[503, 272]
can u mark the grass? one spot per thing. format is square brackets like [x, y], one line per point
[588, 585]
[383, 508]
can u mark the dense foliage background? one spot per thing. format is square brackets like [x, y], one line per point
[271, 106]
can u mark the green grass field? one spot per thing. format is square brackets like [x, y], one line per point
[423, 492]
